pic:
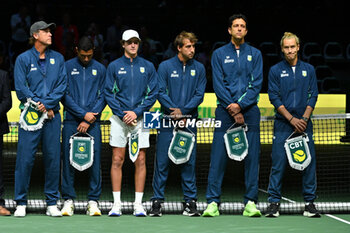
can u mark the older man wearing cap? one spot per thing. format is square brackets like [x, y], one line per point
[40, 78]
[131, 89]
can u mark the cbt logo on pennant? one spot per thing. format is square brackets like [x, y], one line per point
[81, 152]
[181, 146]
[298, 152]
[236, 142]
[151, 120]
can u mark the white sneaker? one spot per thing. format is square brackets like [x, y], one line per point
[116, 210]
[20, 211]
[68, 208]
[139, 211]
[53, 211]
[92, 209]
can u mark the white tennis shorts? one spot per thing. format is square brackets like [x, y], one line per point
[121, 131]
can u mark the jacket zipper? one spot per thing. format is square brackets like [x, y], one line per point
[132, 85]
[294, 85]
[83, 101]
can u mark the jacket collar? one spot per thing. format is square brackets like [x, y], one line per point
[36, 53]
[127, 60]
[189, 62]
[287, 63]
[242, 47]
[88, 65]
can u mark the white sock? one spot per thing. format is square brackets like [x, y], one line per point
[116, 197]
[138, 197]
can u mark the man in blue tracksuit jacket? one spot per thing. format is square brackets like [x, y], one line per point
[293, 92]
[83, 103]
[131, 89]
[237, 79]
[182, 82]
[40, 74]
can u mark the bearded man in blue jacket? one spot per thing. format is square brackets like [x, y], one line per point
[182, 82]
[237, 78]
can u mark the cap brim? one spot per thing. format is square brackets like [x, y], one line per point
[51, 25]
[134, 37]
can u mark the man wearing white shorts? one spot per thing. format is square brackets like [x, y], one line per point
[131, 89]
[120, 133]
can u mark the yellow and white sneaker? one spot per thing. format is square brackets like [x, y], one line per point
[68, 208]
[92, 209]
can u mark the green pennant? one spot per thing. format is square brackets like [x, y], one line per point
[181, 146]
[134, 146]
[81, 152]
[31, 118]
[236, 143]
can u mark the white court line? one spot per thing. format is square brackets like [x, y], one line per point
[328, 215]
[336, 218]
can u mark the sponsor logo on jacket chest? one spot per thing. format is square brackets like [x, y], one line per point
[123, 71]
[32, 67]
[174, 74]
[229, 60]
[74, 71]
[284, 74]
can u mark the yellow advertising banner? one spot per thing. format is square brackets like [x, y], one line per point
[326, 104]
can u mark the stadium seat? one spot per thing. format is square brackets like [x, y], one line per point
[316, 60]
[347, 52]
[310, 48]
[331, 85]
[159, 49]
[333, 51]
[217, 44]
[268, 48]
[273, 59]
[323, 71]
[319, 86]
[3, 47]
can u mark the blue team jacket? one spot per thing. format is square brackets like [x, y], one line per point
[296, 90]
[181, 86]
[131, 86]
[46, 86]
[85, 89]
[237, 79]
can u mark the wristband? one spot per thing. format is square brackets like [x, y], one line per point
[291, 118]
[87, 122]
